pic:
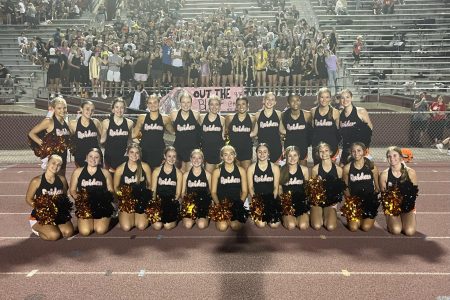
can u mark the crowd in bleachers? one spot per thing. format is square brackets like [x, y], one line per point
[34, 12]
[153, 46]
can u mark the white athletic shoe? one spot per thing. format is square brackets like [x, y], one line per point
[104, 96]
[448, 152]
[440, 147]
[52, 95]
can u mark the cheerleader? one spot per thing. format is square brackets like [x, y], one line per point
[94, 211]
[151, 126]
[239, 127]
[166, 186]
[54, 185]
[212, 125]
[354, 125]
[263, 183]
[86, 132]
[116, 134]
[297, 123]
[268, 126]
[187, 129]
[57, 126]
[137, 175]
[325, 122]
[398, 175]
[330, 174]
[229, 182]
[292, 184]
[361, 177]
[196, 184]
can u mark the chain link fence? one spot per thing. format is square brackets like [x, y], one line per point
[403, 129]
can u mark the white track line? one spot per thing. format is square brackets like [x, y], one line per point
[418, 213]
[201, 273]
[205, 237]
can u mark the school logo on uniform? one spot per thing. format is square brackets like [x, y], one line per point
[167, 181]
[262, 178]
[323, 123]
[360, 177]
[294, 181]
[211, 128]
[241, 128]
[86, 134]
[196, 183]
[185, 127]
[230, 179]
[52, 192]
[118, 132]
[267, 124]
[295, 126]
[153, 127]
[91, 182]
[62, 132]
[130, 180]
[347, 123]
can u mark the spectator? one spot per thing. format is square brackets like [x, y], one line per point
[388, 6]
[55, 64]
[22, 40]
[332, 64]
[357, 48]
[438, 119]
[341, 7]
[419, 120]
[94, 72]
[113, 76]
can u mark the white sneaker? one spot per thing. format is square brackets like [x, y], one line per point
[448, 152]
[264, 93]
[52, 95]
[440, 147]
[104, 96]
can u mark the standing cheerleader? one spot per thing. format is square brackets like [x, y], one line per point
[354, 125]
[401, 180]
[87, 133]
[263, 183]
[187, 130]
[325, 124]
[116, 134]
[268, 126]
[91, 186]
[166, 187]
[293, 177]
[239, 127]
[328, 174]
[361, 177]
[196, 193]
[48, 193]
[151, 126]
[56, 126]
[229, 190]
[212, 133]
[132, 183]
[296, 121]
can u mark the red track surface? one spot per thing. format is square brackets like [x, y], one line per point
[251, 264]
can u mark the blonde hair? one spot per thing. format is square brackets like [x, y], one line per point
[58, 100]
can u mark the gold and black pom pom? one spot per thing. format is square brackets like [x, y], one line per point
[153, 211]
[391, 199]
[82, 205]
[286, 204]
[352, 208]
[46, 209]
[51, 144]
[127, 201]
[315, 191]
[219, 212]
[257, 208]
[189, 207]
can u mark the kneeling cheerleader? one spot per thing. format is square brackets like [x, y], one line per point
[196, 193]
[132, 181]
[91, 186]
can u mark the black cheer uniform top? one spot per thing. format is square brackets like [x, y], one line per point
[86, 138]
[61, 129]
[296, 132]
[392, 180]
[239, 133]
[295, 182]
[263, 180]
[229, 185]
[129, 177]
[325, 130]
[197, 184]
[186, 135]
[167, 183]
[212, 140]
[332, 174]
[269, 133]
[97, 181]
[152, 142]
[360, 180]
[353, 129]
[52, 189]
[117, 137]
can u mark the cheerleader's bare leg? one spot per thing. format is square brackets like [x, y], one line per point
[316, 217]
[303, 221]
[289, 222]
[330, 218]
[140, 221]
[409, 223]
[101, 226]
[126, 221]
